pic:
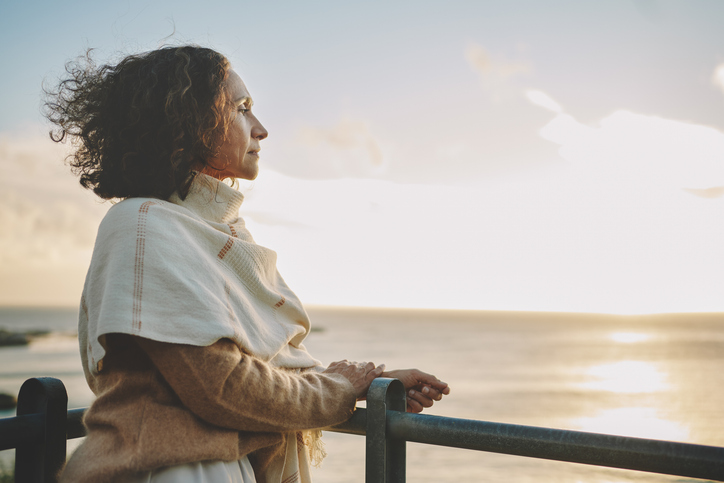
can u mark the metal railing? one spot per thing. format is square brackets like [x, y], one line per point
[43, 424]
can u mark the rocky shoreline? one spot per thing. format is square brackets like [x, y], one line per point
[9, 338]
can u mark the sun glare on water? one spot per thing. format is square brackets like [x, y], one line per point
[630, 377]
[626, 377]
[635, 422]
[629, 337]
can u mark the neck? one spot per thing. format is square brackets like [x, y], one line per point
[211, 199]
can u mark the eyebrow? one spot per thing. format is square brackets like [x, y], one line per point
[244, 100]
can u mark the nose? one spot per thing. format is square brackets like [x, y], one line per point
[258, 131]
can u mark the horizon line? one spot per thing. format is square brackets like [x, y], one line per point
[316, 306]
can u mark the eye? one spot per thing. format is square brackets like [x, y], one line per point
[244, 106]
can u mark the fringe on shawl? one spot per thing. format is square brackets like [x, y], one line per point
[312, 440]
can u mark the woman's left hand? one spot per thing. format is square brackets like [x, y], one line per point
[422, 389]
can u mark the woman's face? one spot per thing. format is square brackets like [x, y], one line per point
[239, 154]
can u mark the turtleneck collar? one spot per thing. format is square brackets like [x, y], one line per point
[211, 199]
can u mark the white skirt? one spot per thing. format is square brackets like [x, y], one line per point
[203, 472]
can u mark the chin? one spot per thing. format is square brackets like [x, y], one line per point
[248, 176]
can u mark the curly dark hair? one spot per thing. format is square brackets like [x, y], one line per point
[141, 127]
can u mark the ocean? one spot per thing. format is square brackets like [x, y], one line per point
[657, 377]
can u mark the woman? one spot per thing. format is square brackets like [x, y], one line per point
[190, 339]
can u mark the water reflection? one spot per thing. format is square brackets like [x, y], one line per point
[637, 422]
[626, 377]
[629, 337]
[634, 380]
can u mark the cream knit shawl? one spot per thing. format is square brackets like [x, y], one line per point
[189, 272]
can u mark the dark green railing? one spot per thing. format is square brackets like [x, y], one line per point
[43, 424]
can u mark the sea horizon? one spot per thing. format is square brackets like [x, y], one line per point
[7, 312]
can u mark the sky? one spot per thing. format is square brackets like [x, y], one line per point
[493, 155]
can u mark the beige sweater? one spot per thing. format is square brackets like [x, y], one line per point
[160, 404]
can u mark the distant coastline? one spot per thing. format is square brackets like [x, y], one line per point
[517, 315]
[55, 319]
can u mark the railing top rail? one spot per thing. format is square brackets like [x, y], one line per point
[655, 456]
[21, 430]
[664, 457]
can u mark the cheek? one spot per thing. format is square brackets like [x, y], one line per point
[240, 136]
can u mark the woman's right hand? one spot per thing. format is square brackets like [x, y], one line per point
[360, 374]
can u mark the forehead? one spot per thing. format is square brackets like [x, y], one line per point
[235, 86]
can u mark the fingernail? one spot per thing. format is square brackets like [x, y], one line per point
[425, 390]
[412, 392]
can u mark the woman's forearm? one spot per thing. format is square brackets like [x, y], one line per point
[227, 388]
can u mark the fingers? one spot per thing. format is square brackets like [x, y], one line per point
[360, 374]
[423, 389]
[370, 370]
[431, 392]
[337, 364]
[433, 382]
[375, 372]
[423, 400]
[413, 406]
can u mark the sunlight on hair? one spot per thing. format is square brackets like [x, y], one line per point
[636, 422]
[626, 377]
[629, 337]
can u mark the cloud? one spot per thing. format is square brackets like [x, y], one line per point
[540, 98]
[631, 147]
[568, 240]
[274, 219]
[718, 77]
[347, 136]
[715, 192]
[47, 219]
[483, 63]
[495, 73]
[48, 222]
[35, 233]
[346, 149]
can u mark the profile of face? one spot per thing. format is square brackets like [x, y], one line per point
[238, 156]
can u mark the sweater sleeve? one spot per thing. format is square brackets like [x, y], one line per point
[228, 388]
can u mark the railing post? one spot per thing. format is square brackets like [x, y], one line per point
[385, 457]
[42, 461]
